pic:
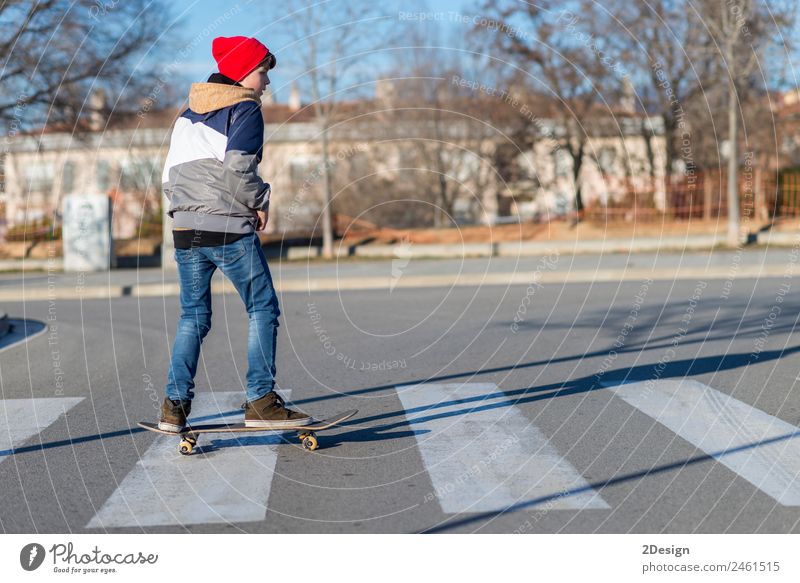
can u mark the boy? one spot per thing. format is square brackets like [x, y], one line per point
[218, 202]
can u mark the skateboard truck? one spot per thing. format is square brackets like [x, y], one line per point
[308, 439]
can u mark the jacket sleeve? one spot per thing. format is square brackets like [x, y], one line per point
[243, 155]
[168, 164]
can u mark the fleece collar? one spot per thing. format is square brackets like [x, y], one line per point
[206, 97]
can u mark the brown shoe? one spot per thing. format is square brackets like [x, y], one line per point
[173, 415]
[269, 412]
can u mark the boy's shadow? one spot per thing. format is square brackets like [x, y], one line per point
[498, 398]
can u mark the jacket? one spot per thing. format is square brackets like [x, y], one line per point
[211, 172]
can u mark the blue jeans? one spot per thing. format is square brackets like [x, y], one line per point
[244, 264]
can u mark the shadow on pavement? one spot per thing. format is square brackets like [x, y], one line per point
[458, 522]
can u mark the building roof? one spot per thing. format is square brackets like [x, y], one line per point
[357, 120]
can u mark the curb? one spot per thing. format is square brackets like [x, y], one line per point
[525, 248]
[55, 264]
[418, 281]
[778, 239]
[498, 249]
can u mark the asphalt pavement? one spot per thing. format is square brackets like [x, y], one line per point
[412, 272]
[643, 405]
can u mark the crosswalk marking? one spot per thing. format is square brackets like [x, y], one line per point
[484, 459]
[21, 419]
[762, 449]
[228, 484]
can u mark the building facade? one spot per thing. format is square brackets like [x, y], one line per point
[122, 158]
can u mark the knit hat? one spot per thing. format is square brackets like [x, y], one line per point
[237, 56]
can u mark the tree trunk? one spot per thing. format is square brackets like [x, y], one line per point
[647, 134]
[669, 145]
[578, 202]
[443, 208]
[707, 196]
[577, 163]
[733, 159]
[327, 214]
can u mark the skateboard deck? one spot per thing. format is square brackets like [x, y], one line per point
[306, 433]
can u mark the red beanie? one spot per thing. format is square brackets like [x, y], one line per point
[237, 56]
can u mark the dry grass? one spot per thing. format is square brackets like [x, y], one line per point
[555, 231]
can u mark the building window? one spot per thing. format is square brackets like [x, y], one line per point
[38, 177]
[563, 163]
[305, 169]
[68, 177]
[139, 174]
[103, 175]
[605, 159]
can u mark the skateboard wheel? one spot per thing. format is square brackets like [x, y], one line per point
[191, 441]
[303, 436]
[310, 442]
[186, 448]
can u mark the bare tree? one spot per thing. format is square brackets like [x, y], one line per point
[553, 45]
[55, 52]
[665, 48]
[330, 40]
[431, 92]
[698, 61]
[743, 32]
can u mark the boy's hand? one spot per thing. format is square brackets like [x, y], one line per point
[263, 217]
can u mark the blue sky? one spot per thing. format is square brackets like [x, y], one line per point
[200, 21]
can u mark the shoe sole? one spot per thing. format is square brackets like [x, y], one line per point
[171, 427]
[278, 424]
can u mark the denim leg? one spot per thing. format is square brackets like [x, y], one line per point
[194, 273]
[251, 277]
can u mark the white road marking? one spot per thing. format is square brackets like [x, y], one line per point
[762, 449]
[23, 418]
[230, 483]
[488, 459]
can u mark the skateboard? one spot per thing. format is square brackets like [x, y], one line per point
[306, 433]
